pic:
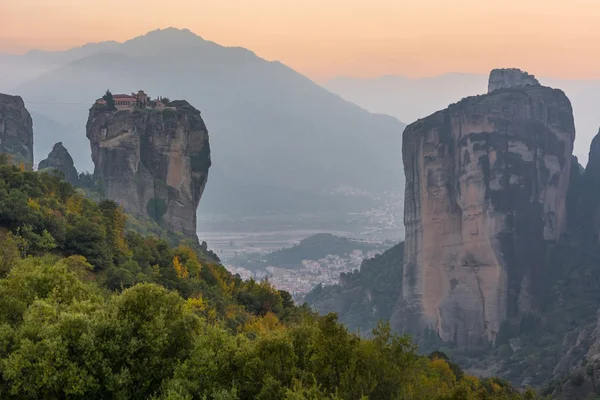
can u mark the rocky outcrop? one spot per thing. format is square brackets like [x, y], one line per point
[503, 78]
[591, 203]
[16, 130]
[486, 187]
[152, 162]
[578, 371]
[60, 160]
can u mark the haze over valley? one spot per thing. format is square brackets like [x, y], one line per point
[300, 200]
[277, 136]
[409, 99]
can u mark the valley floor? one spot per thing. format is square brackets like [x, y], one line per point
[237, 241]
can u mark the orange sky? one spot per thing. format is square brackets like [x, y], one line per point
[326, 38]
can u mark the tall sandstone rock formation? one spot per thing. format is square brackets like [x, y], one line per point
[152, 162]
[60, 160]
[16, 130]
[486, 187]
[590, 206]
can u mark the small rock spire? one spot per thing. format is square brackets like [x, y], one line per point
[501, 78]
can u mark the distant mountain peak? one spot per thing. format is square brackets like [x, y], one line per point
[167, 39]
[70, 54]
[174, 35]
[171, 32]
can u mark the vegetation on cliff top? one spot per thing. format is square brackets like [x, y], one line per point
[91, 310]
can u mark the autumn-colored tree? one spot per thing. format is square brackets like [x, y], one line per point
[90, 311]
[189, 258]
[182, 271]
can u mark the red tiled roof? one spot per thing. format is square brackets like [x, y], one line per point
[123, 96]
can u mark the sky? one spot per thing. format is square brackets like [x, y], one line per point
[328, 38]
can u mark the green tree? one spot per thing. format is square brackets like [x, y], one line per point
[9, 253]
[110, 101]
[333, 352]
[79, 319]
[89, 239]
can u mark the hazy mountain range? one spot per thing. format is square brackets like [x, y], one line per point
[274, 133]
[410, 99]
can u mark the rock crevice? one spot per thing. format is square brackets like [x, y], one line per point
[154, 163]
[486, 184]
[16, 130]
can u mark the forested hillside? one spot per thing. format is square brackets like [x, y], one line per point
[363, 297]
[555, 347]
[89, 310]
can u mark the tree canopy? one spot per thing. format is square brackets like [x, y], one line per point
[110, 101]
[90, 309]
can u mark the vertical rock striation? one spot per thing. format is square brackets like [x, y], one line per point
[16, 130]
[591, 201]
[486, 185]
[152, 162]
[60, 160]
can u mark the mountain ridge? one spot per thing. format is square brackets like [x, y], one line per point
[409, 99]
[257, 109]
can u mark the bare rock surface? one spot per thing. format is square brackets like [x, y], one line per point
[503, 78]
[60, 160]
[486, 187]
[152, 162]
[16, 130]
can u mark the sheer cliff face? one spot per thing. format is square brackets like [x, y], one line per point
[591, 204]
[153, 163]
[16, 130]
[60, 160]
[486, 185]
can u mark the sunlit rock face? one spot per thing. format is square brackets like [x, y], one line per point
[16, 130]
[152, 162]
[486, 186]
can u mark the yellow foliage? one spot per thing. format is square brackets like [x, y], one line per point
[188, 256]
[496, 388]
[443, 371]
[263, 325]
[34, 205]
[212, 315]
[425, 387]
[270, 321]
[120, 221]
[219, 279]
[75, 205]
[471, 382]
[196, 304]
[21, 167]
[231, 311]
[440, 365]
[181, 270]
